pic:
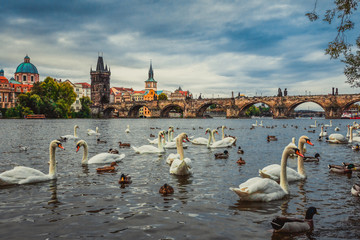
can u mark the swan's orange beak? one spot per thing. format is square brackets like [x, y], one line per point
[77, 148]
[297, 152]
[309, 142]
[61, 146]
[217, 133]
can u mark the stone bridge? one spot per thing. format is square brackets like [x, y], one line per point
[281, 107]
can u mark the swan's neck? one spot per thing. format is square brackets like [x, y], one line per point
[322, 130]
[351, 134]
[223, 134]
[213, 136]
[75, 133]
[52, 166]
[169, 136]
[300, 167]
[283, 176]
[209, 141]
[85, 154]
[160, 146]
[97, 130]
[179, 147]
[172, 136]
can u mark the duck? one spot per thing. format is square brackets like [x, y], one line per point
[110, 168]
[100, 141]
[273, 171]
[166, 189]
[92, 132]
[71, 137]
[341, 169]
[23, 148]
[355, 189]
[101, 158]
[127, 130]
[223, 155]
[202, 140]
[356, 147]
[180, 165]
[271, 138]
[313, 126]
[315, 158]
[113, 151]
[265, 189]
[240, 161]
[125, 179]
[151, 149]
[124, 144]
[25, 175]
[294, 225]
[356, 165]
[152, 135]
[240, 151]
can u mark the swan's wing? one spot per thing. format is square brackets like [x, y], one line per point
[154, 141]
[200, 141]
[105, 158]
[172, 157]
[273, 171]
[147, 149]
[179, 167]
[19, 174]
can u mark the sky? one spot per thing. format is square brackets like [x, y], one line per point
[206, 46]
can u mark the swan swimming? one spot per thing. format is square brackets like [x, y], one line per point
[25, 175]
[100, 158]
[202, 140]
[127, 130]
[181, 166]
[92, 132]
[225, 142]
[74, 137]
[265, 189]
[150, 148]
[273, 171]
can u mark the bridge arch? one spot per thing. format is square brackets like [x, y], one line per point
[348, 104]
[134, 110]
[292, 107]
[166, 110]
[109, 112]
[245, 107]
[201, 110]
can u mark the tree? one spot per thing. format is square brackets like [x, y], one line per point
[339, 47]
[85, 111]
[162, 96]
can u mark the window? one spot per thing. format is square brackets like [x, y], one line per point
[77, 101]
[5, 98]
[17, 78]
[0, 98]
[77, 89]
[32, 78]
[24, 78]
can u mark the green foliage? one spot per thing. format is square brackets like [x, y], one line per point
[258, 111]
[341, 14]
[162, 96]
[85, 111]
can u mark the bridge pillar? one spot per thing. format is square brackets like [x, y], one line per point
[96, 111]
[280, 112]
[232, 112]
[189, 113]
[333, 112]
[155, 112]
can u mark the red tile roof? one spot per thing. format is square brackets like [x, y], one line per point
[85, 85]
[3, 79]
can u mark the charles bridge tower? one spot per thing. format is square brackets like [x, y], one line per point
[100, 84]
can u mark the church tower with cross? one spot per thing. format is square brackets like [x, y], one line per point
[150, 83]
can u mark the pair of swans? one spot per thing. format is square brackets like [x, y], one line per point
[101, 158]
[178, 164]
[273, 171]
[91, 132]
[151, 149]
[25, 175]
[71, 137]
[265, 189]
[224, 142]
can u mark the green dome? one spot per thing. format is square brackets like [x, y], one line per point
[26, 67]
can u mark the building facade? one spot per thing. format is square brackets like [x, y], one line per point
[7, 94]
[81, 90]
[150, 83]
[100, 83]
[26, 72]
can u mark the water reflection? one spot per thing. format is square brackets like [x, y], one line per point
[53, 189]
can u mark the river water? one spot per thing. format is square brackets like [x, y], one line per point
[82, 204]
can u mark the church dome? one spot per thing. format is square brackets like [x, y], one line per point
[26, 67]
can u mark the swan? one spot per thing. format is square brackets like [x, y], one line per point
[313, 126]
[127, 130]
[352, 138]
[261, 124]
[75, 136]
[255, 124]
[273, 171]
[336, 138]
[294, 225]
[92, 132]
[24, 175]
[150, 148]
[226, 142]
[202, 140]
[329, 125]
[223, 134]
[265, 189]
[101, 158]
[337, 129]
[322, 133]
[181, 166]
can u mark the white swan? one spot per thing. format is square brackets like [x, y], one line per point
[92, 132]
[329, 125]
[74, 137]
[226, 142]
[352, 137]
[127, 130]
[261, 124]
[336, 129]
[313, 126]
[98, 158]
[265, 189]
[322, 133]
[150, 148]
[202, 140]
[255, 124]
[181, 166]
[24, 175]
[273, 171]
[336, 138]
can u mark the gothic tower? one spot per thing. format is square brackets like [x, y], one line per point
[100, 83]
[151, 83]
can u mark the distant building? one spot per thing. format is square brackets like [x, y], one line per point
[100, 83]
[150, 83]
[81, 90]
[7, 94]
[26, 72]
[179, 94]
[120, 94]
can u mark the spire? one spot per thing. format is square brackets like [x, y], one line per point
[100, 64]
[151, 73]
[1, 72]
